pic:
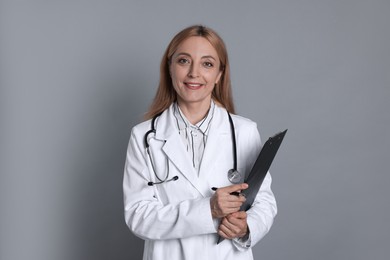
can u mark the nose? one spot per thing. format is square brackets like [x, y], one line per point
[194, 71]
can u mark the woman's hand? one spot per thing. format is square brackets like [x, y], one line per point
[233, 225]
[222, 203]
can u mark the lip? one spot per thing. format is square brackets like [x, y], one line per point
[193, 85]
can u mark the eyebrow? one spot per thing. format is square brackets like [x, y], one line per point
[187, 54]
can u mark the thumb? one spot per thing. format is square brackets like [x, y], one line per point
[237, 187]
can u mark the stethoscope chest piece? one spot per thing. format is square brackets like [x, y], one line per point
[234, 176]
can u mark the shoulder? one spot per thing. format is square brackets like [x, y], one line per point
[236, 118]
[140, 129]
[159, 122]
[242, 125]
[245, 128]
[240, 121]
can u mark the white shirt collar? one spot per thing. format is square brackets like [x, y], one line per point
[203, 125]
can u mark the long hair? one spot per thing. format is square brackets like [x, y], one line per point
[166, 94]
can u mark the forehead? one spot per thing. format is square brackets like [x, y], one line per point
[197, 45]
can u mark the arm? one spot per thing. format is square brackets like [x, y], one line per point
[263, 211]
[259, 217]
[234, 226]
[247, 228]
[146, 215]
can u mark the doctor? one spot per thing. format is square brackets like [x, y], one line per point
[187, 147]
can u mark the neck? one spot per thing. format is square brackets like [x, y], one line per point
[194, 112]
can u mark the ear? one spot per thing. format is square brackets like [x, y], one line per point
[218, 77]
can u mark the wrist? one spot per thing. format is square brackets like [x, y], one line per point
[246, 235]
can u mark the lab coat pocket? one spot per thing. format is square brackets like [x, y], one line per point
[176, 190]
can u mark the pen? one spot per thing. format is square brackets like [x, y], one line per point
[235, 193]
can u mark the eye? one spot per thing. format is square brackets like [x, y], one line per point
[208, 64]
[183, 61]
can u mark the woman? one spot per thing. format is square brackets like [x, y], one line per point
[186, 148]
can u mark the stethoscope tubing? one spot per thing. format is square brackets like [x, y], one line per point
[234, 142]
[232, 173]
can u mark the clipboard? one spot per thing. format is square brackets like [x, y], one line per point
[259, 170]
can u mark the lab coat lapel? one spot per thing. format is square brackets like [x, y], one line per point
[218, 141]
[174, 148]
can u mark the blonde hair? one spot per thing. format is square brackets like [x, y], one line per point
[166, 95]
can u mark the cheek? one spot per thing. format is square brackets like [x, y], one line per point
[173, 78]
[213, 78]
[176, 75]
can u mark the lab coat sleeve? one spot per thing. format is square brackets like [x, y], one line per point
[145, 215]
[261, 215]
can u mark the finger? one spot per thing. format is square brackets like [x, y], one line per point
[228, 211]
[239, 225]
[237, 218]
[232, 205]
[238, 215]
[238, 222]
[234, 188]
[223, 208]
[232, 198]
[226, 222]
[229, 231]
[223, 234]
[232, 230]
[235, 223]
[236, 198]
[228, 203]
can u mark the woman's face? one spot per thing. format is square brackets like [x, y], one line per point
[195, 69]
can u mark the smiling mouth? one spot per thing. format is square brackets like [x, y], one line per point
[194, 86]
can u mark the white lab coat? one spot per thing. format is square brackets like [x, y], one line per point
[174, 218]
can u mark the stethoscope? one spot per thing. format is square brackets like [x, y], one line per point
[233, 175]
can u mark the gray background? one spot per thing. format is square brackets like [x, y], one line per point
[77, 75]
